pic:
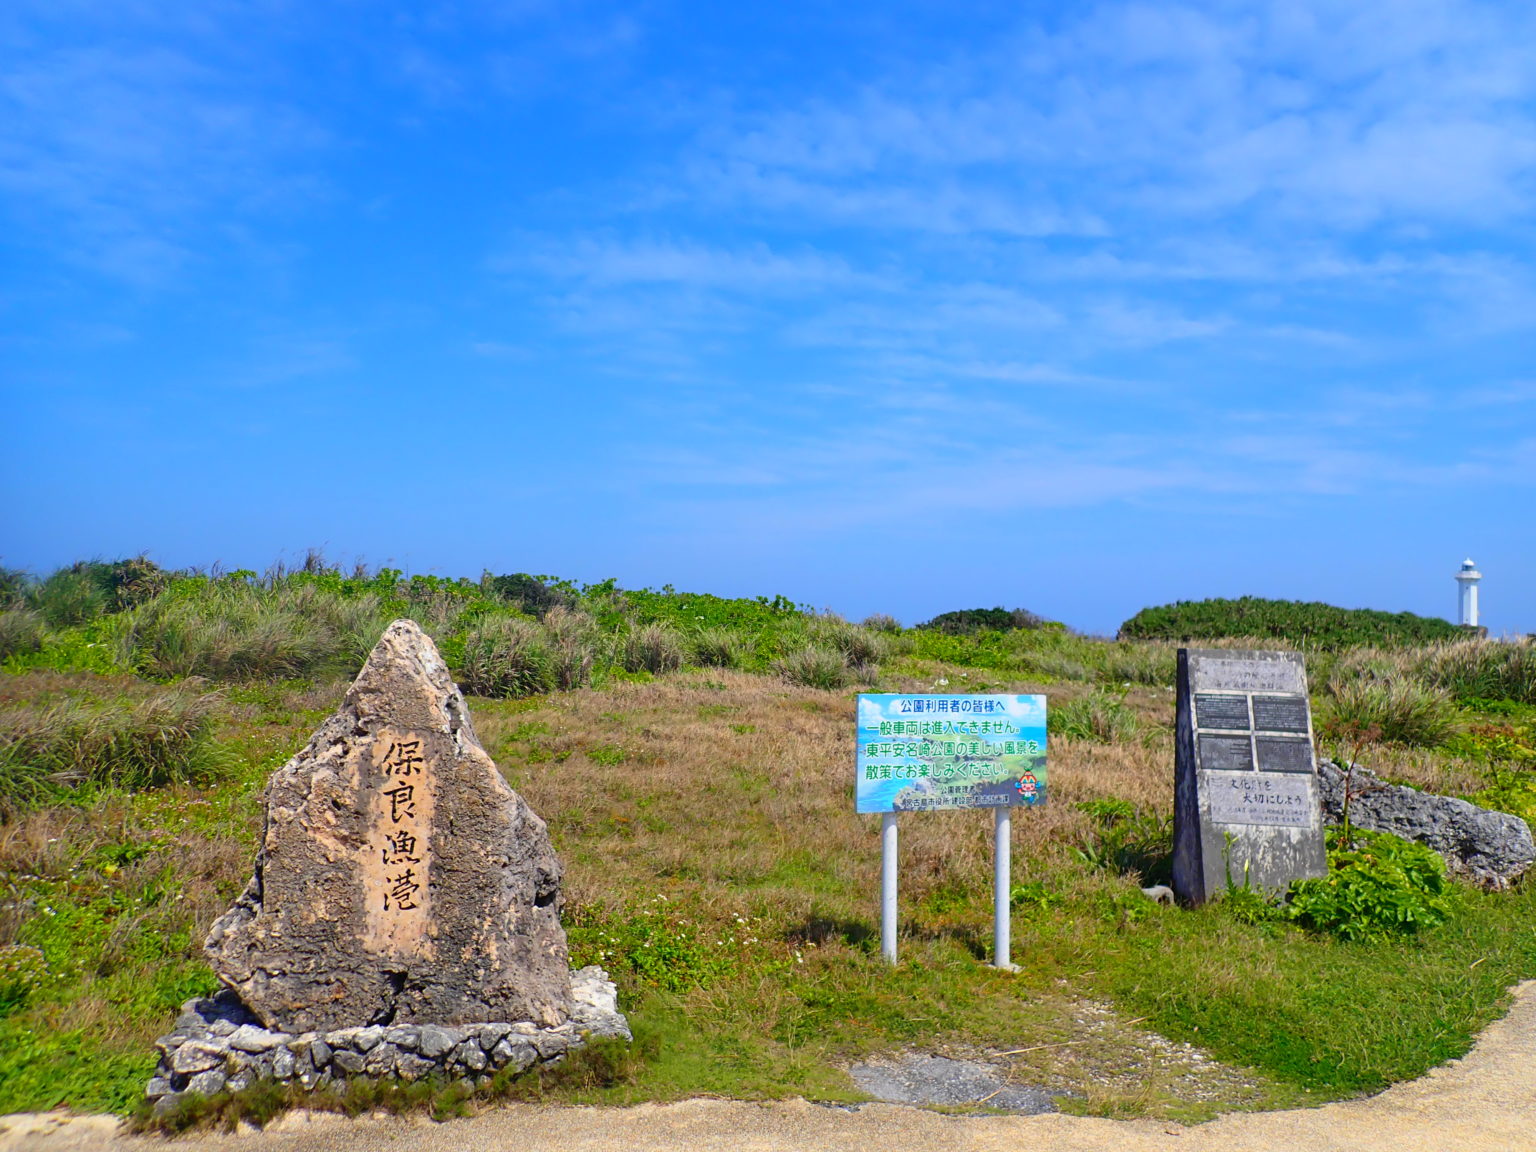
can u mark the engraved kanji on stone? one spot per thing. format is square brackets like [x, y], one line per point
[402, 803]
[402, 890]
[403, 758]
[400, 849]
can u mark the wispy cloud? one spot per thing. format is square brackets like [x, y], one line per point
[128, 155]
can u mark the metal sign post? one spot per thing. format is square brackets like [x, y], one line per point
[929, 752]
[1002, 888]
[888, 886]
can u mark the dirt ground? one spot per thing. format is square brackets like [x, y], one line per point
[1485, 1102]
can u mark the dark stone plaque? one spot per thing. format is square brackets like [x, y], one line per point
[1226, 753]
[1220, 711]
[1246, 805]
[1284, 754]
[1280, 713]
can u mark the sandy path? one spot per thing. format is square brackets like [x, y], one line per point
[1485, 1102]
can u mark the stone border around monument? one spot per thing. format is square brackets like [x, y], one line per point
[1247, 805]
[218, 1045]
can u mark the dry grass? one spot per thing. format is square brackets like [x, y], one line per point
[620, 773]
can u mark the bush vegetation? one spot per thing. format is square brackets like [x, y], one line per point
[1303, 624]
[691, 754]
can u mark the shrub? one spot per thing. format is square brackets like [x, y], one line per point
[968, 620]
[722, 648]
[533, 595]
[21, 630]
[1099, 716]
[1380, 886]
[1401, 711]
[129, 583]
[880, 622]
[507, 656]
[652, 648]
[815, 667]
[1304, 624]
[163, 739]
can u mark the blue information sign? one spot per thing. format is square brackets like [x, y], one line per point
[921, 753]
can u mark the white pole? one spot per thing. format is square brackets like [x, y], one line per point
[888, 886]
[1002, 886]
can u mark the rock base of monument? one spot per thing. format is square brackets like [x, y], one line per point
[218, 1045]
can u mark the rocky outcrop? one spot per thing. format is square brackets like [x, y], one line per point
[400, 880]
[1490, 848]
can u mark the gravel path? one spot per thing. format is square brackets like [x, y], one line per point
[1485, 1102]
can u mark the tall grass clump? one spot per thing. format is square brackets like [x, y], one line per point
[1402, 711]
[21, 630]
[69, 597]
[722, 648]
[575, 645]
[166, 738]
[652, 648]
[1099, 716]
[1483, 669]
[858, 646]
[1139, 663]
[507, 656]
[230, 629]
[815, 667]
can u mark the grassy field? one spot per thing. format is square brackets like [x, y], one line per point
[696, 775]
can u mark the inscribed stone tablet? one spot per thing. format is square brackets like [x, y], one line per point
[1280, 713]
[1248, 674]
[1284, 754]
[1272, 801]
[1245, 802]
[1227, 753]
[1221, 711]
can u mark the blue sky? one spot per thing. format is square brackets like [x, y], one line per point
[897, 307]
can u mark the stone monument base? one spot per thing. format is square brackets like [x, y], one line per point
[218, 1045]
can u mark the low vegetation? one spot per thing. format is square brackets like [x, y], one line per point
[1302, 624]
[693, 755]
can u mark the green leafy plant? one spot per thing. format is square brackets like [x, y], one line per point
[661, 945]
[22, 971]
[1377, 885]
[1127, 840]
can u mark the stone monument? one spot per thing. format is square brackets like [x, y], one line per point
[404, 912]
[1247, 806]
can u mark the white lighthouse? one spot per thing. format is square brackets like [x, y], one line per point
[1468, 578]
